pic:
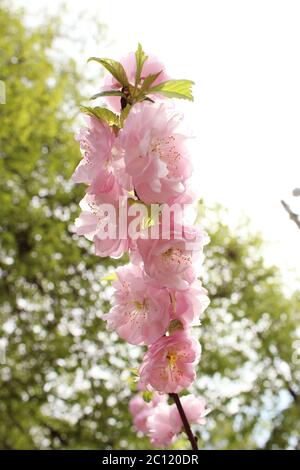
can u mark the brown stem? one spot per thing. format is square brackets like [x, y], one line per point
[123, 103]
[184, 420]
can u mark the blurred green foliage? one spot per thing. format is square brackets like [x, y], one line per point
[65, 382]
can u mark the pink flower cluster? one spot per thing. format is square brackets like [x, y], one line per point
[157, 296]
[161, 421]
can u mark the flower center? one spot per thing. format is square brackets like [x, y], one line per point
[172, 358]
[176, 257]
[168, 254]
[138, 311]
[139, 305]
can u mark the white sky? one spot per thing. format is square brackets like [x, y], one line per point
[244, 57]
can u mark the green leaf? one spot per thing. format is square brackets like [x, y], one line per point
[102, 113]
[115, 68]
[140, 58]
[174, 89]
[107, 93]
[148, 81]
[109, 277]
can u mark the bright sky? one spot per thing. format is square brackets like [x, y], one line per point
[244, 58]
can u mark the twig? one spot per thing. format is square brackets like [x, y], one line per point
[184, 420]
[293, 216]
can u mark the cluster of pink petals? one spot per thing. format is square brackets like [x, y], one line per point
[152, 163]
[157, 297]
[171, 263]
[101, 166]
[92, 222]
[189, 304]
[143, 309]
[161, 421]
[155, 154]
[142, 410]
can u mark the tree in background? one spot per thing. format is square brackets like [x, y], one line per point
[50, 299]
[66, 381]
[250, 367]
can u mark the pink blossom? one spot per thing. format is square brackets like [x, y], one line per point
[151, 66]
[96, 142]
[164, 421]
[93, 224]
[189, 196]
[102, 164]
[162, 425]
[194, 408]
[155, 153]
[169, 364]
[171, 262]
[189, 304]
[141, 313]
[141, 410]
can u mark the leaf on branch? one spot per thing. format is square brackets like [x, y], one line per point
[140, 58]
[107, 93]
[102, 113]
[115, 68]
[148, 81]
[174, 89]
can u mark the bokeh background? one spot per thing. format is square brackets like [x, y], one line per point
[65, 382]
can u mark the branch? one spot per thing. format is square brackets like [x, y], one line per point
[292, 392]
[293, 216]
[287, 384]
[184, 420]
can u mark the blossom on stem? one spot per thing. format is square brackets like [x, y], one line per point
[164, 421]
[141, 410]
[171, 262]
[162, 425]
[98, 222]
[141, 155]
[96, 142]
[102, 165]
[189, 304]
[169, 364]
[141, 313]
[194, 408]
[155, 153]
